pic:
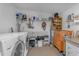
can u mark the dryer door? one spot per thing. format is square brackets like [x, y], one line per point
[18, 49]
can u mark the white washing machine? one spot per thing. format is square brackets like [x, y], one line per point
[23, 37]
[13, 44]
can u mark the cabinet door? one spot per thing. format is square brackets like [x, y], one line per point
[58, 40]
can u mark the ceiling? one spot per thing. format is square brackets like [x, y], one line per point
[45, 7]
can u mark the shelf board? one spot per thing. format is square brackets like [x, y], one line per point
[69, 21]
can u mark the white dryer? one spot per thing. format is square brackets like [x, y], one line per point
[13, 44]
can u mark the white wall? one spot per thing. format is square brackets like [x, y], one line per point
[37, 25]
[7, 17]
[31, 13]
[75, 10]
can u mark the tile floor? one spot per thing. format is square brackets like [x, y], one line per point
[44, 51]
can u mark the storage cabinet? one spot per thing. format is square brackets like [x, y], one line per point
[58, 39]
[58, 36]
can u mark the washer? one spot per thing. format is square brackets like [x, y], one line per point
[23, 37]
[13, 44]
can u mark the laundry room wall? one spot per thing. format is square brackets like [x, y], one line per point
[37, 24]
[31, 13]
[7, 18]
[75, 10]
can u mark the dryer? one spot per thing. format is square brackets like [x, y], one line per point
[13, 44]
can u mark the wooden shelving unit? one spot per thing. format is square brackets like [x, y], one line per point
[58, 41]
[57, 23]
